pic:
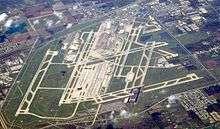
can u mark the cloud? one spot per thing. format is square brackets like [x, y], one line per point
[58, 14]
[8, 23]
[3, 17]
[49, 23]
[69, 25]
[75, 7]
[172, 99]
[125, 114]
[168, 106]
[112, 115]
[36, 22]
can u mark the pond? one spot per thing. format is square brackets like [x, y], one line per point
[2, 39]
[16, 28]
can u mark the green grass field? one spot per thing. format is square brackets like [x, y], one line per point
[54, 76]
[190, 38]
[46, 103]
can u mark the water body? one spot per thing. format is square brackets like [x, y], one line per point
[16, 28]
[2, 38]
